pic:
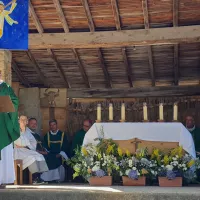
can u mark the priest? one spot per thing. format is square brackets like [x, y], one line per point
[195, 131]
[25, 150]
[56, 145]
[79, 136]
[9, 131]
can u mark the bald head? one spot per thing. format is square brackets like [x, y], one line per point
[87, 124]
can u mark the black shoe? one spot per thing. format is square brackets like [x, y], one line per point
[39, 181]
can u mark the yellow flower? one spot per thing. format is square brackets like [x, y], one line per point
[144, 171]
[120, 152]
[191, 163]
[128, 153]
[89, 171]
[166, 160]
[99, 156]
[84, 151]
[180, 152]
[109, 149]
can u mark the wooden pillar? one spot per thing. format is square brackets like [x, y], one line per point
[5, 66]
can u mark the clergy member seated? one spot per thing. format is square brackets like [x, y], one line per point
[25, 150]
[195, 131]
[55, 142]
[79, 136]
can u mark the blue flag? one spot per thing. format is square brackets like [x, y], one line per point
[14, 24]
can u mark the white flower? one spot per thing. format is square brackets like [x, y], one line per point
[183, 165]
[185, 169]
[152, 172]
[95, 168]
[150, 165]
[134, 168]
[138, 173]
[121, 174]
[169, 167]
[174, 158]
[177, 156]
[162, 166]
[127, 172]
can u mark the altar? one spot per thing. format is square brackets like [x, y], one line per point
[154, 132]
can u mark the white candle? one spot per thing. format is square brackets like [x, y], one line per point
[145, 114]
[123, 114]
[161, 112]
[110, 112]
[99, 112]
[175, 112]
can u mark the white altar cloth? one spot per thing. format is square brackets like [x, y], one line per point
[165, 132]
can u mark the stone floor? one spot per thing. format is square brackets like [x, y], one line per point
[86, 192]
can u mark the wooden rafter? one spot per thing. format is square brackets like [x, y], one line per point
[105, 70]
[145, 13]
[176, 46]
[134, 92]
[89, 15]
[154, 36]
[37, 68]
[19, 74]
[116, 14]
[61, 15]
[35, 18]
[149, 48]
[81, 68]
[58, 67]
[128, 68]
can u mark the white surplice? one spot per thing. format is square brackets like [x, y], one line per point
[30, 158]
[7, 172]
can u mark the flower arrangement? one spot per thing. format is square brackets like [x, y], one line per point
[91, 161]
[132, 166]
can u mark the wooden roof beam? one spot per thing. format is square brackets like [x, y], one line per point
[135, 92]
[105, 70]
[81, 68]
[58, 67]
[176, 46]
[35, 18]
[149, 49]
[116, 14]
[23, 80]
[128, 68]
[61, 15]
[37, 68]
[88, 15]
[154, 36]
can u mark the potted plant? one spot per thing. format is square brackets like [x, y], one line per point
[174, 167]
[132, 169]
[93, 164]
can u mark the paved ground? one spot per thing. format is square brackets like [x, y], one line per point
[85, 192]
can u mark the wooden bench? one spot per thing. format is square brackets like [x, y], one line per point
[20, 177]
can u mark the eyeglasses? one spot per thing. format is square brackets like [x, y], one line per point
[86, 126]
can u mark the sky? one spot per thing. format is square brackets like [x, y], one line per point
[15, 37]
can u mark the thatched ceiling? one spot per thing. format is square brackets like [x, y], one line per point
[129, 66]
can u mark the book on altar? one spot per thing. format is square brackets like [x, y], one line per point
[6, 104]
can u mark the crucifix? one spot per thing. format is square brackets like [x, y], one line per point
[52, 104]
[135, 142]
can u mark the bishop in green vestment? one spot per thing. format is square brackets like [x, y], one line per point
[9, 126]
[79, 136]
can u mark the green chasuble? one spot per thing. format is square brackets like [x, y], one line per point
[9, 126]
[55, 144]
[77, 141]
[196, 137]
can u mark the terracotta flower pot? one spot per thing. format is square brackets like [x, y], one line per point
[103, 181]
[131, 182]
[165, 182]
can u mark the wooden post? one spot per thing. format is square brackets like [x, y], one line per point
[5, 66]
[16, 174]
